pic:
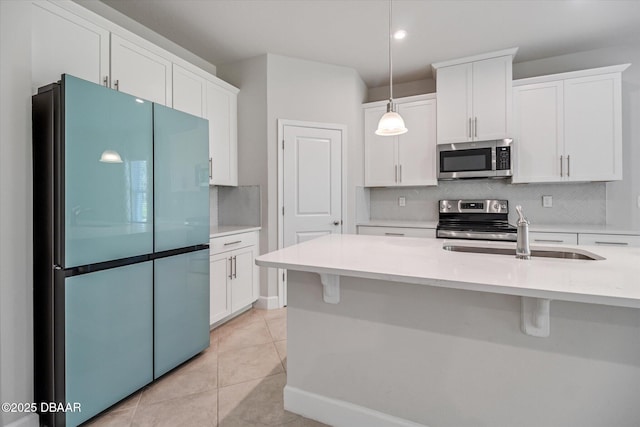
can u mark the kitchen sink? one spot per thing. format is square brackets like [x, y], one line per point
[564, 253]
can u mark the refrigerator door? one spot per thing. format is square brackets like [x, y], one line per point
[181, 309]
[181, 176]
[108, 337]
[108, 170]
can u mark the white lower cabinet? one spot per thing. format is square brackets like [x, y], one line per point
[234, 276]
[396, 231]
[543, 238]
[622, 240]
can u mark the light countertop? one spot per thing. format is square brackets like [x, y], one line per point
[544, 228]
[422, 261]
[227, 230]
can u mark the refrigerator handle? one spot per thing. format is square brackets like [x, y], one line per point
[210, 168]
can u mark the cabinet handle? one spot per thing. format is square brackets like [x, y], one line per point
[561, 172]
[612, 243]
[400, 173]
[469, 127]
[394, 234]
[548, 240]
[210, 168]
[396, 173]
[475, 127]
[230, 267]
[105, 81]
[233, 243]
[568, 166]
[116, 85]
[235, 267]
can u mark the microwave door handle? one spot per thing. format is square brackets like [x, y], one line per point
[475, 127]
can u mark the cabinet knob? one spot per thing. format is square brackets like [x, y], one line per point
[336, 222]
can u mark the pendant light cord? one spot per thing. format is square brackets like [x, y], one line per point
[390, 57]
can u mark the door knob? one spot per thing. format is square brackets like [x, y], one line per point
[336, 222]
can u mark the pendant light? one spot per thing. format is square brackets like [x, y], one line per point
[391, 123]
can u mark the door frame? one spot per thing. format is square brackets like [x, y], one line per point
[282, 297]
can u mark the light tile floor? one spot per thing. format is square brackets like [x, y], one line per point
[237, 381]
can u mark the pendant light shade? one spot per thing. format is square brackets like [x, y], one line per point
[391, 123]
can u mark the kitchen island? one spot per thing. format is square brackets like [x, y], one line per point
[397, 331]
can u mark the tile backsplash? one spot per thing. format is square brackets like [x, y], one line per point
[573, 203]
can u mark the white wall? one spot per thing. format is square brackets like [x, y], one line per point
[622, 209]
[16, 248]
[417, 87]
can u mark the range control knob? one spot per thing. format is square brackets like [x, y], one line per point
[495, 206]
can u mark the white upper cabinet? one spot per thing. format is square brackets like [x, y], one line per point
[593, 127]
[138, 71]
[407, 159]
[63, 42]
[474, 97]
[189, 92]
[222, 112]
[538, 131]
[568, 127]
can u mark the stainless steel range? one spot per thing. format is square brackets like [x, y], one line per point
[476, 220]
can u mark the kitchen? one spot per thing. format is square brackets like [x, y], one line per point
[332, 94]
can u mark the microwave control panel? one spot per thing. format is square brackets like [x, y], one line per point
[503, 158]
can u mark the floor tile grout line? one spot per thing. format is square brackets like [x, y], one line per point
[252, 379]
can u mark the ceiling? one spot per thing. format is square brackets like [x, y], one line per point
[354, 33]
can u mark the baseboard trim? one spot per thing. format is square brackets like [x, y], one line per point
[30, 420]
[338, 413]
[267, 303]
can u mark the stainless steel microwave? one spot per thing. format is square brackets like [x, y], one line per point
[482, 159]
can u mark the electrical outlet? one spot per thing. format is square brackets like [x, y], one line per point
[547, 201]
[402, 201]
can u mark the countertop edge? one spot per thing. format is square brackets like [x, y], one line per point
[469, 286]
[241, 229]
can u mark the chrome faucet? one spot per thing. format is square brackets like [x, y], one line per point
[522, 244]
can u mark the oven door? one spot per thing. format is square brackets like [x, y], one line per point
[467, 160]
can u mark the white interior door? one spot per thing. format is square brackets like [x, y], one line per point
[312, 183]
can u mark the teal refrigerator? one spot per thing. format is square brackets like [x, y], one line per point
[121, 233]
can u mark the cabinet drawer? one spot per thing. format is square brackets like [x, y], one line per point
[396, 231]
[553, 238]
[621, 240]
[233, 241]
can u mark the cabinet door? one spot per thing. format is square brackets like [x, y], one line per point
[140, 72]
[108, 337]
[181, 309]
[538, 117]
[417, 148]
[242, 282]
[108, 206]
[222, 112]
[454, 103]
[380, 167]
[492, 98]
[593, 128]
[220, 297]
[189, 92]
[64, 43]
[181, 187]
